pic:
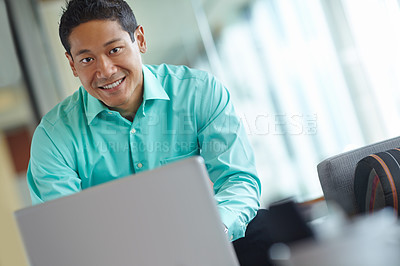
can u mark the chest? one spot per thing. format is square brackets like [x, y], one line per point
[115, 148]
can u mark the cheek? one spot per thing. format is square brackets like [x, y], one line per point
[87, 77]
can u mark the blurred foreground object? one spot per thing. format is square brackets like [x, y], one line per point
[366, 240]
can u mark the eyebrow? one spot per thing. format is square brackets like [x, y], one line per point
[112, 41]
[104, 45]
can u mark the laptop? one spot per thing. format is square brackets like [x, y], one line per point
[166, 216]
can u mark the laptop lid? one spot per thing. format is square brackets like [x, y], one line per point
[166, 216]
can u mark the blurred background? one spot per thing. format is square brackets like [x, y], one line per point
[309, 78]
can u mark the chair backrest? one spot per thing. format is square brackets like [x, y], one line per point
[336, 174]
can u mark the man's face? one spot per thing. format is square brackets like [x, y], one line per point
[108, 63]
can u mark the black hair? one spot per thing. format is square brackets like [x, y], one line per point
[77, 12]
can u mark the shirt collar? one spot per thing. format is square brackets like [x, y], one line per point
[93, 106]
[152, 91]
[152, 87]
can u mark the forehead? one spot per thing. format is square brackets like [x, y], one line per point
[94, 34]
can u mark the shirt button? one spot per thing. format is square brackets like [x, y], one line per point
[139, 165]
[133, 131]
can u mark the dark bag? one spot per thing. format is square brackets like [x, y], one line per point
[377, 181]
[282, 223]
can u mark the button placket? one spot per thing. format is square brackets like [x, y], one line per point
[135, 154]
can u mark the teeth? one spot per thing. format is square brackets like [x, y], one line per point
[112, 85]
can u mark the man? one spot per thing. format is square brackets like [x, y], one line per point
[128, 117]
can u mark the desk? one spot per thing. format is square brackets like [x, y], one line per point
[369, 240]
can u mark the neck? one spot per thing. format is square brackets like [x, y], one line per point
[130, 112]
[130, 117]
[130, 108]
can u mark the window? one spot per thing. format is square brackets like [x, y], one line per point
[311, 79]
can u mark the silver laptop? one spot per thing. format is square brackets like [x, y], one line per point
[166, 216]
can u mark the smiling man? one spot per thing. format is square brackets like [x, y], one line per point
[128, 117]
[112, 71]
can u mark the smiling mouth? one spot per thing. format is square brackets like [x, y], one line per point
[112, 85]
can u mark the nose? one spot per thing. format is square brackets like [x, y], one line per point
[105, 67]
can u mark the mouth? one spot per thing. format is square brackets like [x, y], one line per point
[113, 85]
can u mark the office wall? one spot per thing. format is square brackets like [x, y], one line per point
[11, 249]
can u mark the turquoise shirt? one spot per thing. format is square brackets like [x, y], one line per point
[81, 143]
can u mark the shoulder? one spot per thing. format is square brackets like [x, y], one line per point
[178, 72]
[66, 110]
[185, 81]
[59, 127]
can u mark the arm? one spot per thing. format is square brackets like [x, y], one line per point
[229, 159]
[50, 174]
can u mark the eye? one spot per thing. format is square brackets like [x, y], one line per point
[115, 50]
[86, 60]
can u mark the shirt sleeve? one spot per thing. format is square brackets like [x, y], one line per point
[229, 159]
[49, 174]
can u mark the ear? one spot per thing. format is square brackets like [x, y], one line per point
[141, 40]
[71, 63]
